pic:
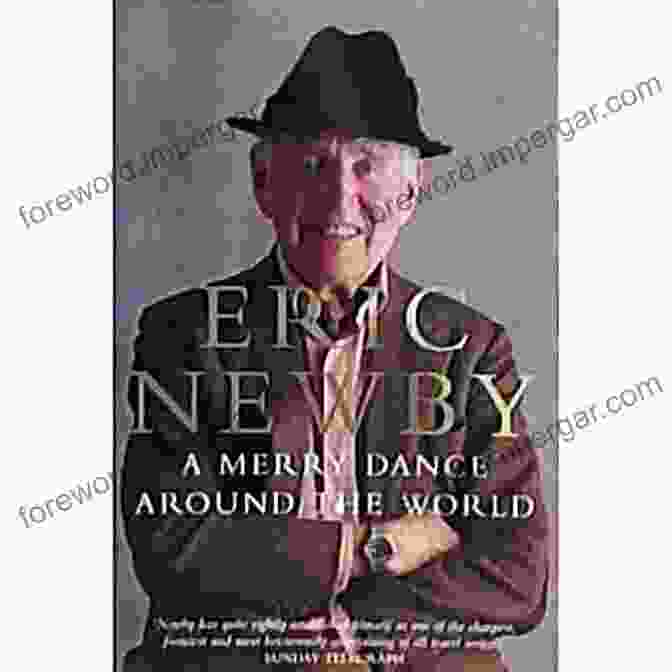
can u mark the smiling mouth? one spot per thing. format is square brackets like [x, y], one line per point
[343, 232]
[349, 230]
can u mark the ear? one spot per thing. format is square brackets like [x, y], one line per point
[424, 172]
[261, 181]
[422, 175]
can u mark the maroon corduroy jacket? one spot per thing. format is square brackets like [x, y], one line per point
[220, 566]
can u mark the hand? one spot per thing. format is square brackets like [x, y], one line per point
[417, 539]
[360, 565]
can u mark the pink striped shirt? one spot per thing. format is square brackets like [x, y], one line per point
[334, 396]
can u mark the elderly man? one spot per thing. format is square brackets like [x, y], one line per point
[323, 377]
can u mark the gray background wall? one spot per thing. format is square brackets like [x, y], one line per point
[486, 72]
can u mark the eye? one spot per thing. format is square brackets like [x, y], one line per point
[363, 167]
[312, 165]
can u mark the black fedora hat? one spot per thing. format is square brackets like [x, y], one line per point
[353, 83]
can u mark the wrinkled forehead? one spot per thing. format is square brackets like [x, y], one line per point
[342, 143]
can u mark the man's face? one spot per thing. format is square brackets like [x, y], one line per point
[334, 203]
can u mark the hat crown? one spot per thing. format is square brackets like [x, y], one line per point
[354, 83]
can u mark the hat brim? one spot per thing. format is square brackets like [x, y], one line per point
[428, 148]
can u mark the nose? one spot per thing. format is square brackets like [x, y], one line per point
[344, 187]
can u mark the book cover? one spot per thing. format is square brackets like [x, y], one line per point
[336, 336]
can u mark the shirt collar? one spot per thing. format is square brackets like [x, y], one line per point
[377, 279]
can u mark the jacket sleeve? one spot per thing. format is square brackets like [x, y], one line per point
[498, 572]
[196, 564]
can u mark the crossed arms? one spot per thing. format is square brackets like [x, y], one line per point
[470, 569]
